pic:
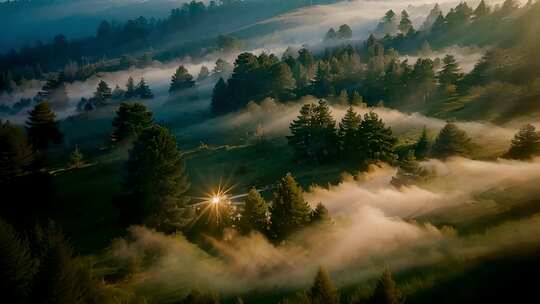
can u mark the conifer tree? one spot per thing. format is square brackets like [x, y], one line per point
[130, 89]
[320, 214]
[17, 265]
[222, 69]
[143, 90]
[204, 73]
[301, 138]
[526, 143]
[451, 141]
[118, 93]
[348, 133]
[42, 126]
[103, 92]
[156, 175]
[377, 140]
[481, 11]
[322, 84]
[16, 154]
[255, 214]
[76, 159]
[220, 98]
[323, 132]
[181, 80]
[386, 291]
[409, 172]
[283, 83]
[330, 35]
[422, 146]
[450, 73]
[290, 212]
[357, 100]
[54, 92]
[323, 290]
[405, 24]
[343, 98]
[130, 120]
[344, 32]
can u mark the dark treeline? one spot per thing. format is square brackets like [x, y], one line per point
[372, 72]
[113, 39]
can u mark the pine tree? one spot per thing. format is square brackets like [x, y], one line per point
[103, 92]
[377, 140]
[42, 127]
[301, 138]
[409, 172]
[143, 90]
[405, 24]
[204, 73]
[343, 98]
[481, 11]
[130, 89]
[386, 291]
[290, 212]
[283, 83]
[16, 154]
[344, 32]
[220, 98]
[181, 80]
[348, 133]
[130, 120]
[255, 214]
[430, 19]
[60, 277]
[76, 159]
[156, 175]
[451, 141]
[320, 214]
[422, 146]
[323, 132]
[17, 265]
[357, 100]
[322, 84]
[323, 290]
[54, 92]
[450, 73]
[330, 35]
[222, 69]
[526, 143]
[118, 93]
[425, 50]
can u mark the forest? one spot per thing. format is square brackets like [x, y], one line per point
[292, 152]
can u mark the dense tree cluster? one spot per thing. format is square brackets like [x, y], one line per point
[362, 140]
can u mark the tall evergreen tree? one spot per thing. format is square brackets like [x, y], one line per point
[323, 133]
[283, 83]
[323, 290]
[220, 98]
[450, 73]
[348, 133]
[204, 73]
[386, 291]
[255, 214]
[42, 126]
[405, 24]
[130, 120]
[526, 143]
[16, 154]
[103, 93]
[143, 90]
[130, 89]
[330, 35]
[320, 214]
[156, 175]
[54, 92]
[344, 32]
[481, 11]
[422, 146]
[301, 138]
[17, 265]
[322, 83]
[181, 80]
[290, 212]
[451, 141]
[377, 140]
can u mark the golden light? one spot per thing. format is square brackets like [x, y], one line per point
[216, 199]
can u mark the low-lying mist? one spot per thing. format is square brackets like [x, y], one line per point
[373, 228]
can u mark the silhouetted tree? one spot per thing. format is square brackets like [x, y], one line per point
[181, 80]
[255, 214]
[386, 291]
[143, 90]
[290, 212]
[451, 141]
[409, 172]
[130, 120]
[526, 143]
[422, 147]
[42, 126]
[323, 290]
